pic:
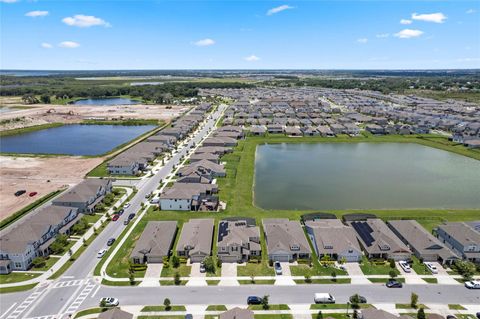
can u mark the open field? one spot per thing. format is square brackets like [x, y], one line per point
[26, 115]
[40, 174]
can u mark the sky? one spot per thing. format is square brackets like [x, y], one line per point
[143, 34]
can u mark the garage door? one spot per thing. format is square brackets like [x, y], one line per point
[155, 260]
[281, 258]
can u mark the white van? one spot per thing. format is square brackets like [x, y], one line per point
[323, 298]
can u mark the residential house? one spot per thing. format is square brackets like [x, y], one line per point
[462, 238]
[195, 241]
[86, 195]
[155, 242]
[237, 313]
[238, 240]
[285, 240]
[189, 197]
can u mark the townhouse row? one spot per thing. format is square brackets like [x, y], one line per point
[32, 236]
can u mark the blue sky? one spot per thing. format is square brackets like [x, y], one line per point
[198, 34]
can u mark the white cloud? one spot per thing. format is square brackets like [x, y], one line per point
[405, 21]
[83, 21]
[408, 33]
[69, 44]
[430, 17]
[9, 1]
[468, 59]
[279, 9]
[46, 45]
[362, 40]
[37, 13]
[204, 42]
[251, 58]
[470, 11]
[383, 35]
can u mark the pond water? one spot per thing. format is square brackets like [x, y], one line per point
[106, 101]
[75, 139]
[363, 176]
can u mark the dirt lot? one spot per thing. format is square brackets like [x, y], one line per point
[36, 114]
[33, 173]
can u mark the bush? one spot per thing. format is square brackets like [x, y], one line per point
[176, 279]
[413, 300]
[209, 264]
[175, 261]
[167, 304]
[392, 263]
[392, 274]
[38, 262]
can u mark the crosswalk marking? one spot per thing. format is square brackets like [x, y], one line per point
[69, 283]
[81, 298]
[25, 304]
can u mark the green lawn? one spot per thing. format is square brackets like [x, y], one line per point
[213, 282]
[257, 282]
[271, 307]
[89, 312]
[260, 269]
[17, 288]
[49, 262]
[172, 283]
[119, 283]
[216, 308]
[419, 267]
[324, 281]
[430, 280]
[370, 268]
[283, 316]
[408, 306]
[183, 270]
[384, 280]
[456, 307]
[334, 315]
[162, 308]
[316, 270]
[17, 277]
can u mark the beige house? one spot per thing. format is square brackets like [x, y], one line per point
[155, 242]
[195, 241]
[285, 239]
[238, 240]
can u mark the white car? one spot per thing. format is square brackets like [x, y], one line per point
[474, 284]
[405, 266]
[278, 268]
[110, 301]
[433, 269]
[101, 253]
[126, 205]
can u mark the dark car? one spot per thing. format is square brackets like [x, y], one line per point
[32, 194]
[110, 241]
[20, 192]
[478, 315]
[115, 217]
[131, 216]
[394, 284]
[254, 300]
[451, 317]
[360, 299]
[121, 211]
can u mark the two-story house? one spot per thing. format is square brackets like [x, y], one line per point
[238, 240]
[86, 195]
[462, 238]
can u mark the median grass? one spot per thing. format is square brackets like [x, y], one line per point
[216, 308]
[163, 308]
[7, 290]
[270, 307]
[90, 311]
[257, 282]
[324, 281]
[337, 306]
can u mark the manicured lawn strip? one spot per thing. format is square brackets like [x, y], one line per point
[260, 269]
[456, 307]
[172, 283]
[119, 283]
[271, 307]
[162, 308]
[408, 306]
[17, 277]
[29, 129]
[334, 315]
[282, 316]
[216, 308]
[161, 317]
[466, 317]
[430, 280]
[183, 270]
[370, 268]
[17, 288]
[337, 306]
[89, 312]
[213, 282]
[324, 281]
[384, 280]
[27, 209]
[419, 267]
[257, 282]
[49, 262]
[316, 270]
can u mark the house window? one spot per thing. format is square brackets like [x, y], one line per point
[18, 265]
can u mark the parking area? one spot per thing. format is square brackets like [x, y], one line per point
[197, 277]
[410, 277]
[152, 275]
[229, 272]
[285, 279]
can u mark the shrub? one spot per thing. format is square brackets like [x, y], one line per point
[167, 304]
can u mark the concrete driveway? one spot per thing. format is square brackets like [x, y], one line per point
[197, 277]
[443, 277]
[285, 279]
[410, 277]
[356, 273]
[152, 275]
[229, 274]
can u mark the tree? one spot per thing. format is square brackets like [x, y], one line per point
[70, 254]
[45, 98]
[308, 279]
[320, 315]
[84, 242]
[334, 276]
[103, 303]
[392, 274]
[355, 313]
[264, 302]
[392, 263]
[38, 262]
[219, 263]
[252, 278]
[421, 314]
[209, 264]
[175, 261]
[131, 277]
[465, 268]
[176, 279]
[166, 303]
[413, 300]
[354, 301]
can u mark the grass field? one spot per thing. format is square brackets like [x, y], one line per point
[17, 277]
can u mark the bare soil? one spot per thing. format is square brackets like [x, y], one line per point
[38, 174]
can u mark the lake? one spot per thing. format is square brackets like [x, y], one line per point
[106, 101]
[74, 139]
[363, 176]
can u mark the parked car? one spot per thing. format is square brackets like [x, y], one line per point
[155, 200]
[121, 211]
[430, 266]
[394, 284]
[478, 315]
[202, 267]
[127, 205]
[474, 284]
[20, 192]
[188, 316]
[405, 266]
[115, 217]
[101, 253]
[451, 317]
[110, 241]
[254, 300]
[110, 301]
[32, 194]
[126, 221]
[323, 297]
[278, 268]
[361, 299]
[131, 216]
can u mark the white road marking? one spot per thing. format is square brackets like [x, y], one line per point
[8, 310]
[25, 304]
[81, 298]
[94, 293]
